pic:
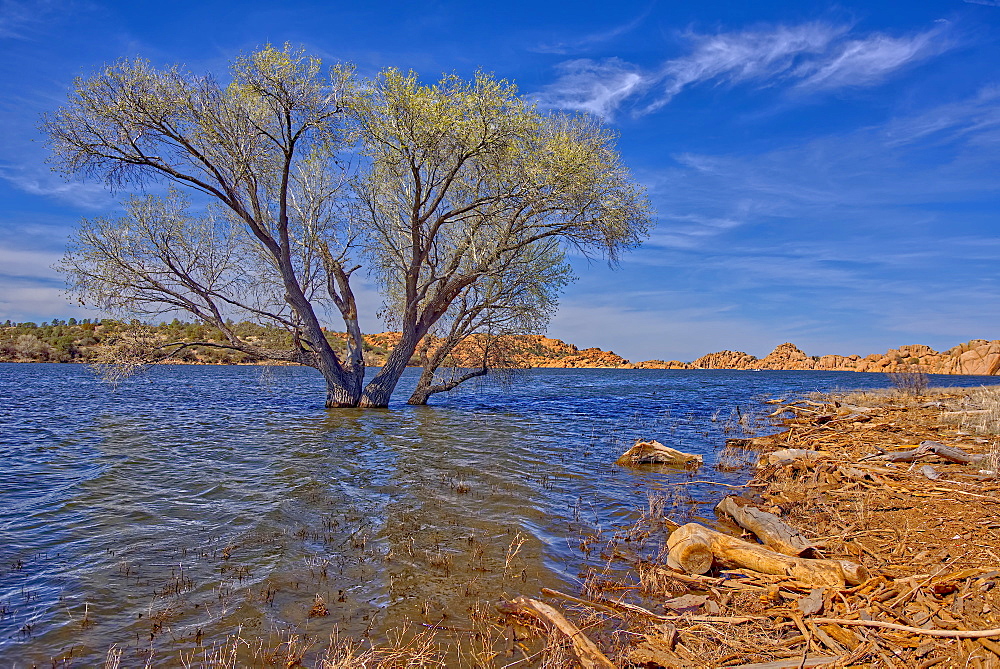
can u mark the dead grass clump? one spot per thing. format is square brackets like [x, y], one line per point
[734, 458]
[318, 609]
[654, 581]
[980, 413]
[990, 464]
[406, 649]
[913, 382]
[855, 398]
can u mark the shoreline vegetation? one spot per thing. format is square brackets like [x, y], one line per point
[901, 485]
[85, 340]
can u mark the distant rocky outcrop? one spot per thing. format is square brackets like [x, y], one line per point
[725, 360]
[661, 364]
[546, 352]
[977, 357]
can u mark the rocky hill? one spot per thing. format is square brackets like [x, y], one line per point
[976, 357]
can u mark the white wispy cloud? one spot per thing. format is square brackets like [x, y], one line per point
[30, 289]
[905, 169]
[808, 57]
[978, 117]
[988, 3]
[687, 231]
[30, 301]
[28, 263]
[588, 41]
[867, 61]
[598, 87]
[18, 19]
[38, 182]
[756, 55]
[676, 331]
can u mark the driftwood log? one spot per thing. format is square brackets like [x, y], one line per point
[587, 652]
[787, 456]
[653, 452]
[950, 453]
[694, 548]
[796, 663]
[771, 530]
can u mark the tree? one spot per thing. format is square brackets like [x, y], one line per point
[468, 194]
[460, 205]
[254, 148]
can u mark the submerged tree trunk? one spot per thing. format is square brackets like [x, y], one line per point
[378, 391]
[343, 392]
[339, 397]
[422, 392]
[426, 386]
[343, 383]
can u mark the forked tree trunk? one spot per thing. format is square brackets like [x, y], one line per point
[378, 392]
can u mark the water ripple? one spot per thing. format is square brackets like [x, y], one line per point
[195, 501]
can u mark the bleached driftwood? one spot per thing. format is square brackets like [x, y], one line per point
[690, 551]
[589, 655]
[795, 663]
[653, 452]
[930, 473]
[787, 456]
[771, 530]
[950, 453]
[689, 543]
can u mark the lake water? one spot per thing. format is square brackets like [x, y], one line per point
[195, 501]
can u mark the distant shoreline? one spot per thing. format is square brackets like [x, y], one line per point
[272, 363]
[69, 341]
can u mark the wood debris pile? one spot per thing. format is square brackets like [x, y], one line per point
[886, 485]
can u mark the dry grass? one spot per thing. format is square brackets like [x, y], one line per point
[493, 641]
[734, 458]
[912, 383]
[979, 413]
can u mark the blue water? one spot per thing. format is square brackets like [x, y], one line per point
[195, 501]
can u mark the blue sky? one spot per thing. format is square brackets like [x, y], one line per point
[826, 174]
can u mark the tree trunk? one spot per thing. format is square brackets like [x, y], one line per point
[377, 393]
[339, 397]
[426, 386]
[343, 386]
[423, 390]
